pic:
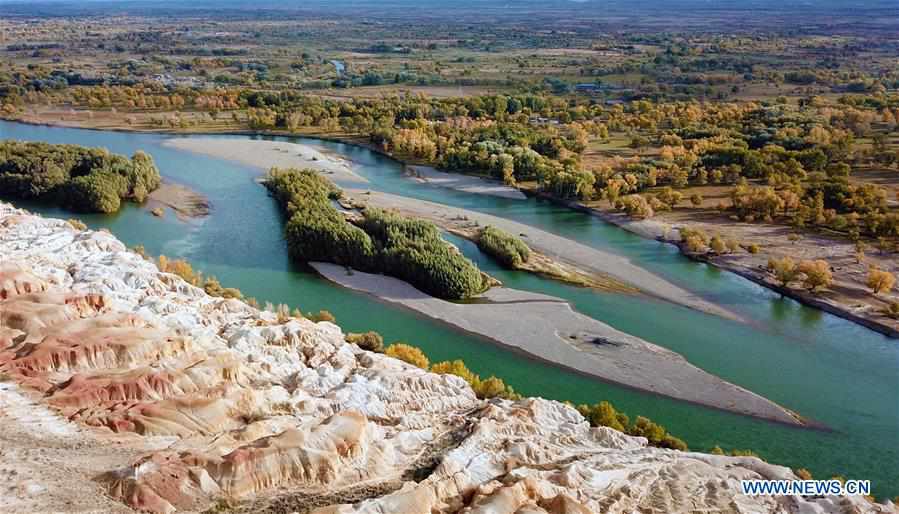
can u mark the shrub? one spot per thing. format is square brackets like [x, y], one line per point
[643, 427]
[636, 205]
[180, 267]
[695, 241]
[717, 245]
[674, 443]
[817, 274]
[509, 250]
[803, 474]
[880, 281]
[492, 387]
[76, 224]
[408, 354]
[604, 414]
[371, 341]
[892, 310]
[784, 270]
[321, 315]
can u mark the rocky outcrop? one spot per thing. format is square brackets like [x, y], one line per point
[207, 401]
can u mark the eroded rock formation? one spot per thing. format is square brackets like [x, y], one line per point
[213, 403]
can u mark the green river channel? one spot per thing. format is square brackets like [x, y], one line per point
[827, 369]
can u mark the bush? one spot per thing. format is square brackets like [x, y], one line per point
[492, 387]
[636, 206]
[371, 341]
[321, 316]
[180, 267]
[784, 270]
[408, 354]
[604, 414]
[509, 250]
[892, 310]
[76, 224]
[695, 241]
[717, 245]
[75, 177]
[880, 281]
[817, 274]
[803, 474]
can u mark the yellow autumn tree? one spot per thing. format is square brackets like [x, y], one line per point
[880, 281]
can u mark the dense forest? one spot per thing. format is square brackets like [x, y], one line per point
[378, 242]
[75, 177]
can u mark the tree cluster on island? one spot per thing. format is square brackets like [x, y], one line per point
[380, 242]
[75, 177]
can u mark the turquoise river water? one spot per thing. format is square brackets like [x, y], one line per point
[827, 369]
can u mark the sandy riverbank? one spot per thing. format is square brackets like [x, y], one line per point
[185, 202]
[848, 297]
[464, 183]
[570, 339]
[559, 248]
[269, 154]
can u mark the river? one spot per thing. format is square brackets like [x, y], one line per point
[827, 369]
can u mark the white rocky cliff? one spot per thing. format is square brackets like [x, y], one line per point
[123, 388]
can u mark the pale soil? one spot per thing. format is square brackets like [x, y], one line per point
[570, 339]
[48, 464]
[185, 202]
[130, 121]
[269, 154]
[848, 297]
[465, 183]
[849, 292]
